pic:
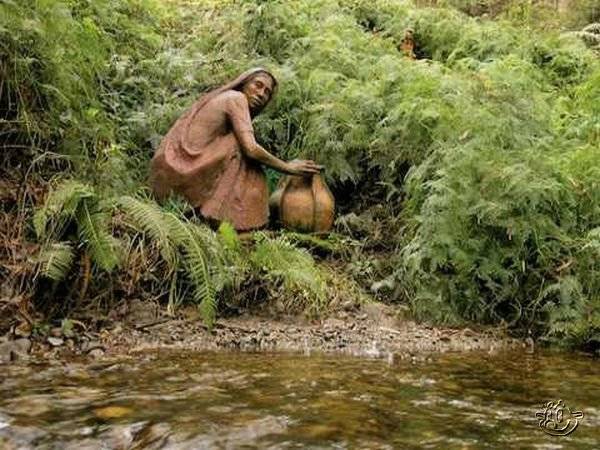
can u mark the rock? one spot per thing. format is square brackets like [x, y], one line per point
[88, 345]
[141, 312]
[22, 345]
[13, 350]
[21, 348]
[112, 412]
[96, 353]
[55, 341]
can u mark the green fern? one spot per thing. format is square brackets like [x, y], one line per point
[329, 244]
[191, 239]
[229, 237]
[294, 267]
[92, 225]
[193, 248]
[60, 206]
[55, 260]
[148, 217]
[72, 200]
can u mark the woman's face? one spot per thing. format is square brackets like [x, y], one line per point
[258, 90]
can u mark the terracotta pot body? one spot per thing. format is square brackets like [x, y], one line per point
[303, 204]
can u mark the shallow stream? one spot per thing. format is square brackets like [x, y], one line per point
[232, 400]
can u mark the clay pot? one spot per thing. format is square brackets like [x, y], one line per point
[303, 203]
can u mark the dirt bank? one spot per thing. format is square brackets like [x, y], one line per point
[372, 330]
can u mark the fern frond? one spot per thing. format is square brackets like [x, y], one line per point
[294, 266]
[55, 260]
[192, 242]
[92, 224]
[234, 265]
[148, 217]
[312, 241]
[60, 206]
[229, 237]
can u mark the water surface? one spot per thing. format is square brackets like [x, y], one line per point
[232, 400]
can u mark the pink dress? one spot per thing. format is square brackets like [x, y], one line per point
[201, 159]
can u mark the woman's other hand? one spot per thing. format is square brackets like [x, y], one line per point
[303, 167]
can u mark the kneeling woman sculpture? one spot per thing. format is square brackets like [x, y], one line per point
[210, 155]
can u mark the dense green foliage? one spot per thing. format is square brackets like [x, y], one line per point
[210, 263]
[539, 13]
[483, 153]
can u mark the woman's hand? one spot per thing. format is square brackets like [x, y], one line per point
[302, 167]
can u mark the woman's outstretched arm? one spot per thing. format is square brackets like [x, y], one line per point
[239, 115]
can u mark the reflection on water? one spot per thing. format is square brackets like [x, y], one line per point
[228, 400]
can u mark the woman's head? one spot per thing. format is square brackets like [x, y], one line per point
[258, 89]
[258, 85]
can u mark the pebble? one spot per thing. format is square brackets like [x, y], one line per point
[55, 341]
